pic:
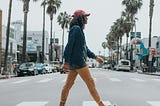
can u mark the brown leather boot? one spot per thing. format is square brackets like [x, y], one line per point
[62, 104]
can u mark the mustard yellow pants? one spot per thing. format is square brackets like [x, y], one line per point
[87, 78]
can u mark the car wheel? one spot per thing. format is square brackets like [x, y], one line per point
[44, 71]
[35, 73]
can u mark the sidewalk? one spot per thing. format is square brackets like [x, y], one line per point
[4, 76]
[149, 73]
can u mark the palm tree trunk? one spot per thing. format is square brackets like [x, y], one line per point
[7, 40]
[24, 38]
[62, 45]
[117, 49]
[150, 23]
[25, 10]
[127, 46]
[150, 30]
[43, 35]
[51, 51]
[0, 40]
[120, 47]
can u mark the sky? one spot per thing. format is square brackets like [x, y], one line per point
[103, 14]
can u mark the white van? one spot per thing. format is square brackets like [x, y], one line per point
[123, 65]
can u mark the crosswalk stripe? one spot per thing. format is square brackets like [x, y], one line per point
[154, 103]
[1, 81]
[157, 80]
[93, 103]
[21, 81]
[64, 80]
[44, 80]
[138, 80]
[32, 103]
[115, 79]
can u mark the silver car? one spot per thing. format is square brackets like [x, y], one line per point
[123, 65]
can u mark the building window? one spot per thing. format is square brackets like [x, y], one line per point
[29, 38]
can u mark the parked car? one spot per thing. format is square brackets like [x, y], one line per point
[123, 65]
[106, 66]
[57, 65]
[48, 68]
[39, 68]
[27, 69]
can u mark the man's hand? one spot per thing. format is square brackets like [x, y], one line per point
[65, 67]
[99, 60]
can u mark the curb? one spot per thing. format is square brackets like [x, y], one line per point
[4, 77]
[147, 73]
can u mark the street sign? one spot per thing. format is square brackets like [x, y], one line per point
[153, 52]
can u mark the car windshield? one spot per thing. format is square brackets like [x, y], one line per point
[26, 65]
[124, 62]
[39, 65]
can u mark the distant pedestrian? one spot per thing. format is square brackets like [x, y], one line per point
[75, 54]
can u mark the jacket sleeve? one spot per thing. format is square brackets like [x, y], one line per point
[90, 54]
[71, 39]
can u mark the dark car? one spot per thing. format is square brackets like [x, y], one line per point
[40, 68]
[27, 69]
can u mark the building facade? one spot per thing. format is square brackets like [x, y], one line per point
[34, 42]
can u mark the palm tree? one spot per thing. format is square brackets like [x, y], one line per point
[132, 7]
[150, 23]
[150, 30]
[7, 39]
[25, 10]
[43, 32]
[63, 19]
[127, 28]
[53, 5]
[0, 39]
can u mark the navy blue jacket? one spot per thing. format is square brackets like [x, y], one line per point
[76, 50]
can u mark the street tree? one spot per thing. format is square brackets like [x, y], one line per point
[25, 10]
[53, 5]
[132, 7]
[64, 20]
[43, 32]
[7, 40]
[150, 31]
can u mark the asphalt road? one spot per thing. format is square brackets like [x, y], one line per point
[121, 88]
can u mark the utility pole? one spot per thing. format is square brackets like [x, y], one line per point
[0, 40]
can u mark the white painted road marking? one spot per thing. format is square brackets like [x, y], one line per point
[1, 81]
[21, 81]
[64, 80]
[154, 103]
[157, 80]
[115, 79]
[137, 79]
[32, 103]
[44, 80]
[93, 103]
